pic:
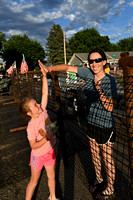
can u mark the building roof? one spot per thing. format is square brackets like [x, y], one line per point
[78, 59]
[81, 58]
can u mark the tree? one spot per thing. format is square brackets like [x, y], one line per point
[84, 41]
[55, 46]
[115, 47]
[126, 44]
[18, 45]
[2, 39]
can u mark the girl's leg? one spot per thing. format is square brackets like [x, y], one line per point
[110, 167]
[51, 181]
[96, 159]
[32, 184]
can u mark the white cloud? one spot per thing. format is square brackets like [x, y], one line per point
[81, 28]
[20, 8]
[70, 33]
[71, 17]
[129, 32]
[129, 28]
[17, 7]
[131, 4]
[115, 36]
[129, 25]
[55, 15]
[36, 17]
[30, 18]
[15, 32]
[119, 3]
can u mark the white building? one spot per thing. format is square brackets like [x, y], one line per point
[82, 58]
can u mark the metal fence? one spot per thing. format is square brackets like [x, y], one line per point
[67, 105]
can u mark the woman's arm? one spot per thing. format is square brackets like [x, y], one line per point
[107, 103]
[62, 67]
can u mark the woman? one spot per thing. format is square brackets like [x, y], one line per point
[100, 91]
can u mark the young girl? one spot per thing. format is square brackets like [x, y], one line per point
[100, 91]
[42, 153]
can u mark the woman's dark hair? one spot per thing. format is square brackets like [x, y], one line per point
[96, 50]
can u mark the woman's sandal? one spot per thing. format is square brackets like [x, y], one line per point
[102, 196]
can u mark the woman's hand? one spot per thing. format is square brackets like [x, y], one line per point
[98, 84]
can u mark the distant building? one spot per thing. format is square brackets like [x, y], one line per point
[1, 63]
[79, 59]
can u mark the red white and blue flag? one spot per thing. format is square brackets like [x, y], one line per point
[14, 66]
[24, 66]
[11, 69]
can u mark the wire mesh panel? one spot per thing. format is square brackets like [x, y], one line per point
[95, 135]
[113, 165]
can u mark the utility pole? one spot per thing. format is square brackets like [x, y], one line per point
[64, 47]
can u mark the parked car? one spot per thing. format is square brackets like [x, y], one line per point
[5, 82]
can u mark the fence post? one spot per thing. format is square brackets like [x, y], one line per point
[28, 79]
[127, 64]
[19, 87]
[13, 85]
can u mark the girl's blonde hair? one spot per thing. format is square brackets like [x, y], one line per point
[24, 106]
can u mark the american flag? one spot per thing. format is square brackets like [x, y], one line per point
[10, 71]
[24, 66]
[14, 65]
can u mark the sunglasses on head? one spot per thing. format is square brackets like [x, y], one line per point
[97, 60]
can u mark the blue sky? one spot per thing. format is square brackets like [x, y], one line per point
[35, 18]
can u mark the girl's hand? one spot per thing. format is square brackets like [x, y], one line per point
[44, 69]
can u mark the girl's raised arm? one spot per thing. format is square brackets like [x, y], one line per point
[44, 100]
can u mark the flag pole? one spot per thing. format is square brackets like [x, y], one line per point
[26, 72]
[64, 47]
[16, 68]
